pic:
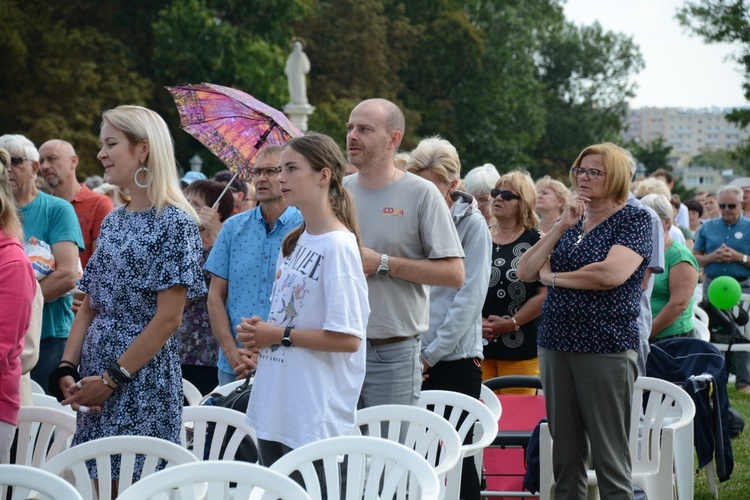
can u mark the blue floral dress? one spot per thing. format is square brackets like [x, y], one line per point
[138, 254]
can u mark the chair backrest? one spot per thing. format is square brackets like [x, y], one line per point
[228, 424]
[513, 381]
[463, 412]
[228, 388]
[26, 480]
[489, 398]
[140, 456]
[42, 434]
[50, 402]
[192, 395]
[700, 314]
[36, 388]
[368, 467]
[701, 330]
[666, 409]
[430, 435]
[249, 480]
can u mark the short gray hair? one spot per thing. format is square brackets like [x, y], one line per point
[19, 143]
[660, 204]
[724, 189]
[481, 180]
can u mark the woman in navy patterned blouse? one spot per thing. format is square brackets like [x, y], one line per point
[593, 262]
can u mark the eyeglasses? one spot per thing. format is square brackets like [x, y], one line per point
[17, 160]
[504, 194]
[591, 173]
[730, 206]
[269, 172]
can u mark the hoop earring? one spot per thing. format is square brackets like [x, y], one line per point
[149, 177]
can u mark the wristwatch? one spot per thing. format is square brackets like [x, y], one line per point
[383, 268]
[286, 340]
[744, 259]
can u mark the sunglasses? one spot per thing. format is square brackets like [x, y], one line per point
[504, 194]
[730, 206]
[17, 160]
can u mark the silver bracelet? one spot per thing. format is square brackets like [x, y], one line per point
[554, 275]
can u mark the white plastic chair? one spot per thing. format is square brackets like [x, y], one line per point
[452, 406]
[27, 482]
[50, 402]
[700, 314]
[42, 434]
[701, 331]
[489, 398]
[101, 451]
[430, 435]
[669, 411]
[36, 388]
[228, 388]
[375, 468]
[197, 418]
[192, 395]
[249, 479]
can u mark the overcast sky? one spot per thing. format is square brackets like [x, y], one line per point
[681, 71]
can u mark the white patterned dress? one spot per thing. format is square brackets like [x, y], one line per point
[138, 254]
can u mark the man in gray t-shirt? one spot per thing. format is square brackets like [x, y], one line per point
[409, 243]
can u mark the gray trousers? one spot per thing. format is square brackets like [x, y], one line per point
[741, 359]
[394, 374]
[589, 400]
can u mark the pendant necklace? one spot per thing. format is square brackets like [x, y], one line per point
[583, 225]
[498, 246]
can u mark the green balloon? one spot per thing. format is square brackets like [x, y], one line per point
[724, 292]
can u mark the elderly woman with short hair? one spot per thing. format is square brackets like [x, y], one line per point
[593, 262]
[551, 196]
[672, 296]
[479, 182]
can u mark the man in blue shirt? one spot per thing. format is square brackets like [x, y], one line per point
[243, 262]
[53, 221]
[721, 247]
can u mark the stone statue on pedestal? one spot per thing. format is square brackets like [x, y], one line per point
[297, 67]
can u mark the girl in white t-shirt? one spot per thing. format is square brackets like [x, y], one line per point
[311, 353]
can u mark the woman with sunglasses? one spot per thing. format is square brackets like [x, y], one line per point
[593, 262]
[511, 306]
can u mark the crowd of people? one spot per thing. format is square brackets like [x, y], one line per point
[346, 281]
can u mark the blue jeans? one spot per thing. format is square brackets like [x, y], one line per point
[50, 353]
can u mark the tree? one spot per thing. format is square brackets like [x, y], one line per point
[654, 155]
[723, 21]
[58, 79]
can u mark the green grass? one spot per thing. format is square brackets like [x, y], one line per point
[738, 486]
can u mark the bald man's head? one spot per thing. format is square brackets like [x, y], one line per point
[58, 162]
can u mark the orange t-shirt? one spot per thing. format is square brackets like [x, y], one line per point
[91, 208]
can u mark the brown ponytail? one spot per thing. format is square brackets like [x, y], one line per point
[321, 152]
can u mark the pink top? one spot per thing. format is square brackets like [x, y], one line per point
[17, 289]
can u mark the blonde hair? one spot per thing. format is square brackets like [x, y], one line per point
[141, 124]
[561, 190]
[520, 181]
[10, 221]
[651, 185]
[617, 181]
[438, 156]
[321, 152]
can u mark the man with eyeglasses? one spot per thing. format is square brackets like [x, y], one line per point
[721, 247]
[409, 242]
[243, 262]
[53, 221]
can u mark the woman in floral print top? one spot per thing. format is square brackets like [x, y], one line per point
[593, 262]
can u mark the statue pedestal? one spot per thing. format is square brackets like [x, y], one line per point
[298, 114]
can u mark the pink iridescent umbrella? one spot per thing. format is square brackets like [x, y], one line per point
[233, 125]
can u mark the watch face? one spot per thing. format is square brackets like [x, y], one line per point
[286, 342]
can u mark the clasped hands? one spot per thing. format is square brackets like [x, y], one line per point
[726, 254]
[254, 333]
